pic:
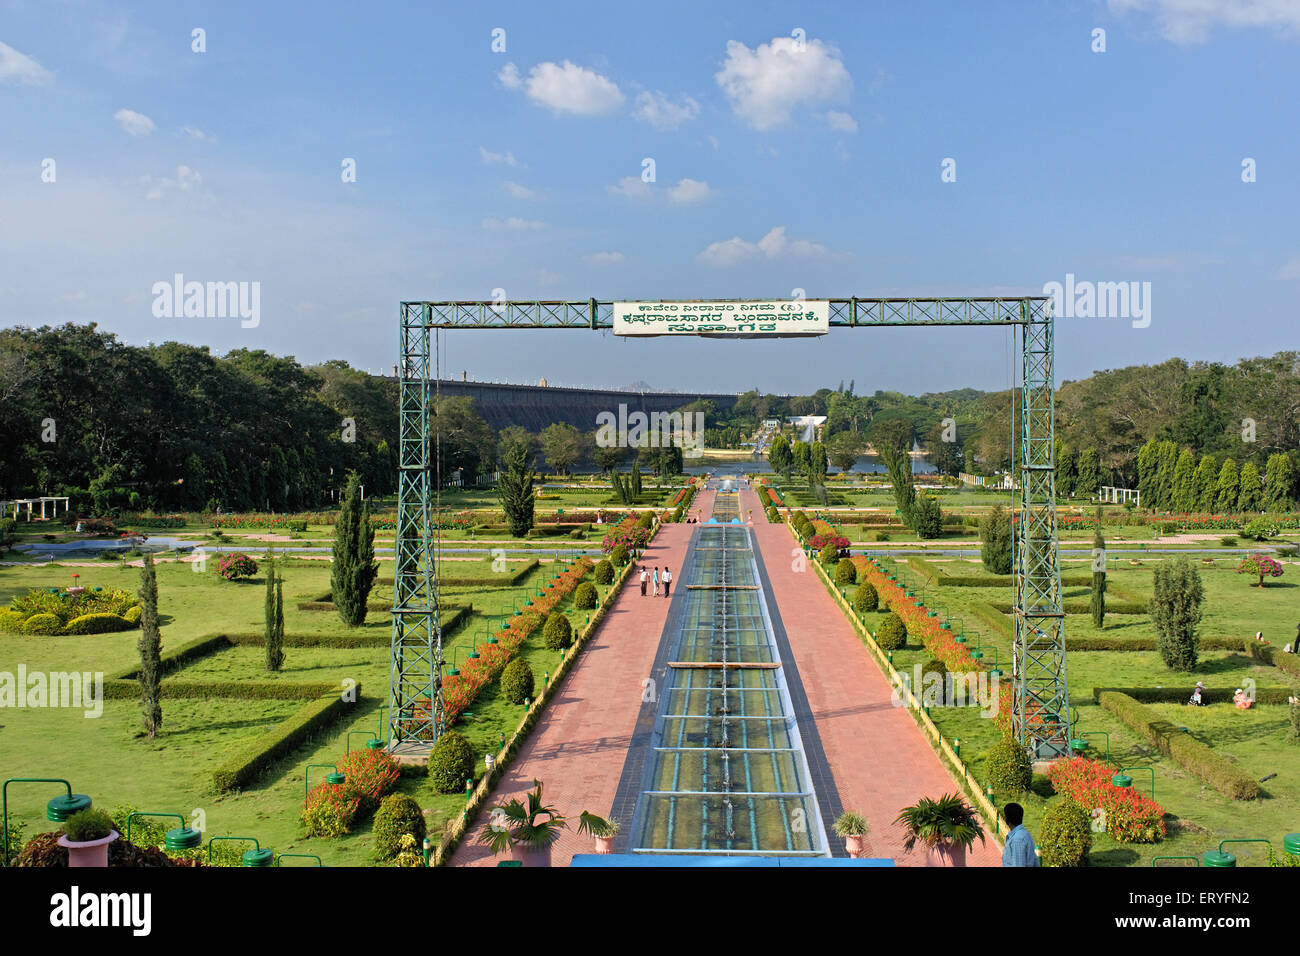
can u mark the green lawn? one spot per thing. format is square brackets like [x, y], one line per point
[108, 758]
[1257, 739]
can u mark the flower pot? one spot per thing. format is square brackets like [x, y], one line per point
[945, 856]
[90, 853]
[856, 845]
[531, 856]
[605, 844]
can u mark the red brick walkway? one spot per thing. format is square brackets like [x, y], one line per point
[579, 746]
[880, 759]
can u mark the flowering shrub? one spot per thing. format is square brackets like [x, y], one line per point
[1260, 565]
[459, 691]
[329, 810]
[1129, 817]
[269, 522]
[371, 774]
[67, 607]
[837, 541]
[232, 567]
[628, 534]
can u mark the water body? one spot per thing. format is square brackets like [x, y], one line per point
[867, 465]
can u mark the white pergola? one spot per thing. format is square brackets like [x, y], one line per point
[1117, 496]
[18, 503]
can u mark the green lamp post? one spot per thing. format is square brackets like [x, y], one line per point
[334, 778]
[57, 809]
[1122, 779]
[1221, 858]
[259, 856]
[1094, 733]
[182, 837]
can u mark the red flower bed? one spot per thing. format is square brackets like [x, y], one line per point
[819, 541]
[460, 691]
[1129, 816]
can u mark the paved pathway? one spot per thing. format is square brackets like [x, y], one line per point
[579, 746]
[880, 759]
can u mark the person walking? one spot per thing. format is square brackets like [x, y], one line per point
[655, 578]
[1019, 848]
[668, 580]
[645, 579]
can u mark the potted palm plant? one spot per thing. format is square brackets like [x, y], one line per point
[86, 835]
[946, 828]
[603, 830]
[853, 827]
[526, 828]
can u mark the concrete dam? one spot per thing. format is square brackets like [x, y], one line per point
[535, 406]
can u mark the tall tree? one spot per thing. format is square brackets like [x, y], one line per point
[150, 647]
[1176, 612]
[1067, 470]
[353, 572]
[1229, 487]
[892, 440]
[780, 457]
[1206, 482]
[562, 446]
[1097, 606]
[844, 449]
[1277, 483]
[515, 489]
[1183, 497]
[1089, 478]
[996, 541]
[817, 463]
[1251, 489]
[802, 455]
[274, 637]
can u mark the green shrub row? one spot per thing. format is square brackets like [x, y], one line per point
[243, 766]
[1005, 580]
[1179, 695]
[1184, 749]
[1081, 607]
[117, 689]
[1289, 664]
[1144, 643]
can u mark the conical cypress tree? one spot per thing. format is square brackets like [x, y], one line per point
[150, 646]
[515, 489]
[274, 616]
[354, 570]
[1098, 604]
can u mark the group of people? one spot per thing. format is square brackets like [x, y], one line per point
[655, 578]
[1240, 699]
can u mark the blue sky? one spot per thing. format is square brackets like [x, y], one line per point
[782, 160]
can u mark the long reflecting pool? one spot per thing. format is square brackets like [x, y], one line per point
[727, 773]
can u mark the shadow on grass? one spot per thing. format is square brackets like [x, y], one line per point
[1116, 857]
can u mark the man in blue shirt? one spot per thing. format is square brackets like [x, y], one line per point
[1019, 850]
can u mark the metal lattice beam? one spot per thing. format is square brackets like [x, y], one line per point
[1041, 700]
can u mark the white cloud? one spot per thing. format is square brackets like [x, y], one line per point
[662, 113]
[689, 191]
[1290, 269]
[198, 135]
[187, 181]
[774, 245]
[547, 277]
[137, 124]
[610, 258]
[632, 187]
[565, 88]
[490, 158]
[841, 121]
[20, 69]
[1190, 21]
[514, 223]
[767, 84]
[519, 192]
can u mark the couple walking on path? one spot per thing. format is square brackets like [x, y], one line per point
[648, 577]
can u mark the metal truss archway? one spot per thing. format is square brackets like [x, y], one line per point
[1040, 714]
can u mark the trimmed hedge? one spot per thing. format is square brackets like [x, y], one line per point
[244, 765]
[891, 633]
[1082, 607]
[118, 689]
[585, 597]
[604, 573]
[98, 623]
[1185, 750]
[1180, 694]
[42, 625]
[1287, 663]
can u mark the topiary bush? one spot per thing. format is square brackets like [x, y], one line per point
[42, 624]
[397, 816]
[98, 624]
[132, 615]
[585, 597]
[880, 536]
[517, 681]
[232, 567]
[828, 555]
[891, 634]
[619, 555]
[866, 598]
[1065, 835]
[604, 572]
[11, 622]
[451, 763]
[1008, 768]
[557, 632]
[87, 825]
[846, 572]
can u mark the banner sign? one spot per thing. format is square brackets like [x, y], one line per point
[779, 317]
